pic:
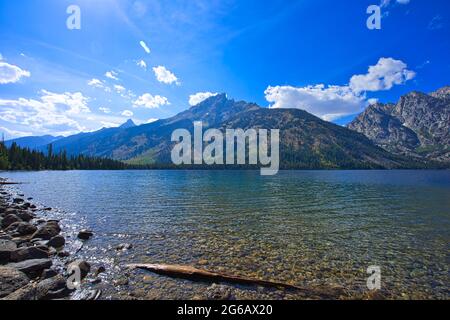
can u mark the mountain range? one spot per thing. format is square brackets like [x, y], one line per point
[419, 121]
[33, 142]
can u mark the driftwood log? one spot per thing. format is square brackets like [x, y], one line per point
[191, 273]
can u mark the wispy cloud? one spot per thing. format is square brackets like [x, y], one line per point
[105, 110]
[127, 113]
[10, 73]
[142, 64]
[96, 83]
[436, 23]
[144, 46]
[112, 75]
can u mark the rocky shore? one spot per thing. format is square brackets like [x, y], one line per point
[33, 262]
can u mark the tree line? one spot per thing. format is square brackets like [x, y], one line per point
[18, 158]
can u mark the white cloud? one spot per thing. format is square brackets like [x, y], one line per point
[151, 120]
[11, 74]
[127, 113]
[111, 75]
[139, 8]
[383, 76]
[195, 99]
[105, 110]
[96, 83]
[436, 23]
[11, 134]
[333, 102]
[328, 103]
[150, 102]
[108, 124]
[119, 88]
[73, 103]
[386, 3]
[53, 113]
[144, 46]
[165, 76]
[142, 64]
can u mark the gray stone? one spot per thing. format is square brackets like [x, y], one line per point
[218, 292]
[25, 216]
[32, 268]
[49, 230]
[9, 220]
[52, 288]
[11, 280]
[6, 248]
[48, 273]
[25, 228]
[29, 253]
[56, 242]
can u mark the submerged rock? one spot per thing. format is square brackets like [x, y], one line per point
[218, 292]
[99, 270]
[85, 234]
[124, 247]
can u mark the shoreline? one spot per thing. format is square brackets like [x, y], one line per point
[35, 257]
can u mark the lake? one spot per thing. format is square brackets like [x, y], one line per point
[309, 228]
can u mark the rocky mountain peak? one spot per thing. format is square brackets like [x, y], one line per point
[417, 125]
[129, 124]
[443, 93]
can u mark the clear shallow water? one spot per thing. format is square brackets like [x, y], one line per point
[309, 228]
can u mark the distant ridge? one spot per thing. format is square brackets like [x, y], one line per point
[32, 142]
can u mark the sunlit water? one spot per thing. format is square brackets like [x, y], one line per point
[309, 228]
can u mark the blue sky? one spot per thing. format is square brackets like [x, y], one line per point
[307, 54]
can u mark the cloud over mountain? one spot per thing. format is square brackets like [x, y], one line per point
[331, 102]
